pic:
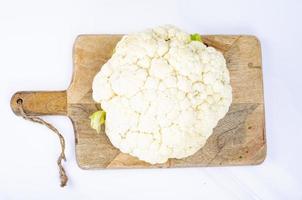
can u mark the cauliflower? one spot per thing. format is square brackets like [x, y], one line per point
[163, 92]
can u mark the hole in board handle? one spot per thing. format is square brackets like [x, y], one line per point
[19, 101]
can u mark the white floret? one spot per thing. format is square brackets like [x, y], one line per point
[162, 93]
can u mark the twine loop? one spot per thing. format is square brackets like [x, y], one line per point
[63, 176]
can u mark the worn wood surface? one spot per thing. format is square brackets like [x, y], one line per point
[238, 139]
[41, 103]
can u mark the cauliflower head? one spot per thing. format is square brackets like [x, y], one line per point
[163, 93]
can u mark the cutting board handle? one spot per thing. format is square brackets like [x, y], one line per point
[40, 102]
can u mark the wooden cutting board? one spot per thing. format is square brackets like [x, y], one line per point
[238, 139]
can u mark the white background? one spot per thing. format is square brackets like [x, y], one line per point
[36, 39]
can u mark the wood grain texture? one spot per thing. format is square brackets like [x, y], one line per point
[41, 103]
[238, 139]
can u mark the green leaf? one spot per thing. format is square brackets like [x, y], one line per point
[97, 119]
[196, 37]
